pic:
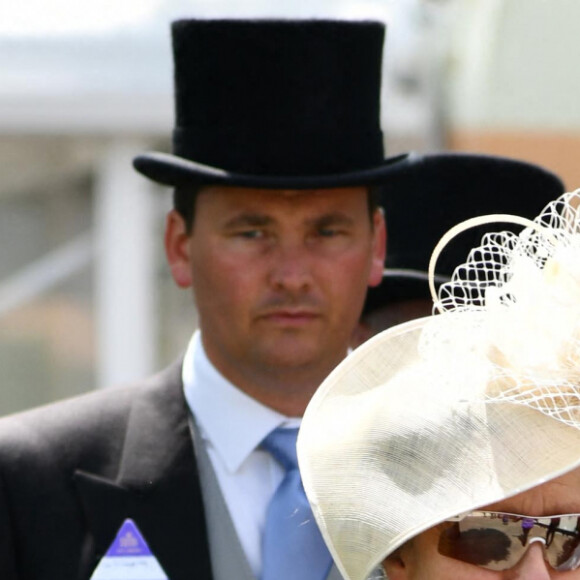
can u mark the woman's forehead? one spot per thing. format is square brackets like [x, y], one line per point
[558, 496]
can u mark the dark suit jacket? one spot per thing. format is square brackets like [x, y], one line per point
[72, 472]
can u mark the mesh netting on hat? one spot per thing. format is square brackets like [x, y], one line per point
[529, 287]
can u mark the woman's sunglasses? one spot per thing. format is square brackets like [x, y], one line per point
[497, 541]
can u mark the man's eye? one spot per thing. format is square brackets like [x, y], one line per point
[328, 232]
[251, 234]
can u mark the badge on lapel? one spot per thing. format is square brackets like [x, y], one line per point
[129, 558]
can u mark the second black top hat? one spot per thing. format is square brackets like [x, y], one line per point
[433, 192]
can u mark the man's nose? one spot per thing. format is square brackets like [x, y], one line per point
[532, 566]
[291, 267]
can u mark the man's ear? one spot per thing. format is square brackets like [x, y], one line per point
[379, 248]
[177, 249]
[394, 567]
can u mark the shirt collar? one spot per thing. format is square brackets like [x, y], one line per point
[233, 422]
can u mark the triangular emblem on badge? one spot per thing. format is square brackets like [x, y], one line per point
[129, 558]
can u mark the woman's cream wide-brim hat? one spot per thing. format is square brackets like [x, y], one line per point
[449, 413]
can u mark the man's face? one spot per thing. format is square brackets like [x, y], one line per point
[279, 279]
[419, 559]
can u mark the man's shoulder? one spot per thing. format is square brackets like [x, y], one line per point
[98, 418]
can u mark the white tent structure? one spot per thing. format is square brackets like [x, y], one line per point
[513, 81]
[94, 101]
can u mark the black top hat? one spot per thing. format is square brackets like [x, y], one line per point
[427, 196]
[275, 103]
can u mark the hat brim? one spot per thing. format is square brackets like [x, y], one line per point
[172, 170]
[399, 285]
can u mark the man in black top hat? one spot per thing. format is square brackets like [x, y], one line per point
[276, 153]
[444, 189]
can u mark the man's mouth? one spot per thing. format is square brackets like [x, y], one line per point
[291, 316]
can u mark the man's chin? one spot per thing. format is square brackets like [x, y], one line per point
[287, 359]
[286, 354]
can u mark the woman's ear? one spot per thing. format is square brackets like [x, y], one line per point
[394, 566]
[177, 249]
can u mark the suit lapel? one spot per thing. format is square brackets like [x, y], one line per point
[157, 484]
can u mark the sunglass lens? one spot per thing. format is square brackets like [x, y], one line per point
[564, 553]
[497, 541]
[482, 546]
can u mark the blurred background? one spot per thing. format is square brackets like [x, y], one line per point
[85, 297]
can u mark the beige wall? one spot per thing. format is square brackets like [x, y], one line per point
[557, 151]
[513, 82]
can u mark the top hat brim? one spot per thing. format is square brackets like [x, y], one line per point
[401, 284]
[175, 171]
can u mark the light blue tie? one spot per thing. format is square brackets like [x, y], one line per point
[292, 547]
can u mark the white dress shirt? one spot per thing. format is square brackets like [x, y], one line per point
[232, 426]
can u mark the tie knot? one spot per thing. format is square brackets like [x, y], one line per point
[281, 444]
